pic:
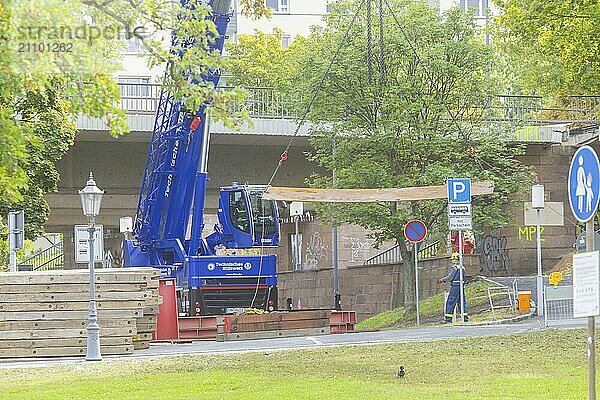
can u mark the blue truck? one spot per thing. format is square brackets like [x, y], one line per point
[231, 267]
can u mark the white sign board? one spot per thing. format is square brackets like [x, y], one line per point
[551, 215]
[460, 223]
[81, 244]
[586, 289]
[296, 208]
[459, 209]
[125, 224]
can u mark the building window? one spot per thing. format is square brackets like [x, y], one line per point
[134, 87]
[477, 7]
[285, 41]
[280, 6]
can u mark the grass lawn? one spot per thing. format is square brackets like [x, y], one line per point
[431, 310]
[547, 365]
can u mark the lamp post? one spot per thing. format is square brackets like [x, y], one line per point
[91, 196]
[537, 203]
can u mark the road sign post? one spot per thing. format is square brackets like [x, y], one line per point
[459, 218]
[415, 231]
[537, 203]
[584, 189]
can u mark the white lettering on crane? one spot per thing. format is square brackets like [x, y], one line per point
[173, 161]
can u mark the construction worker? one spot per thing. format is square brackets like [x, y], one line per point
[455, 277]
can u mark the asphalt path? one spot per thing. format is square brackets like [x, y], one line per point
[423, 334]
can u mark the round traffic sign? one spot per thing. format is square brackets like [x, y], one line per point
[584, 183]
[415, 231]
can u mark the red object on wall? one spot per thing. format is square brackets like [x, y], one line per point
[167, 323]
[468, 243]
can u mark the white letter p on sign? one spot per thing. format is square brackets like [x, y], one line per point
[458, 187]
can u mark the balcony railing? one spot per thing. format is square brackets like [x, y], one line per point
[261, 102]
[264, 102]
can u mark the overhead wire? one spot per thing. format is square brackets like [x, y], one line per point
[420, 61]
[453, 118]
[284, 154]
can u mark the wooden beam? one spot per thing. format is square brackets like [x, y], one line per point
[369, 195]
[53, 315]
[147, 297]
[72, 306]
[77, 287]
[226, 337]
[62, 342]
[63, 351]
[40, 277]
[65, 324]
[64, 333]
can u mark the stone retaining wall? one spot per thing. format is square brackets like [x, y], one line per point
[366, 290]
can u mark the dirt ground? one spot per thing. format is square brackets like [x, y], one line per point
[565, 265]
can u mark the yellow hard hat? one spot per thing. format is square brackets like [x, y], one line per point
[454, 256]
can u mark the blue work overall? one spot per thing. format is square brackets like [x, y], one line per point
[454, 296]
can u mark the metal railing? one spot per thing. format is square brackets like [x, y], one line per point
[393, 256]
[265, 102]
[51, 258]
[389, 256]
[260, 102]
[537, 110]
[558, 303]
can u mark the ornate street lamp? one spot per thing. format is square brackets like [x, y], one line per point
[91, 196]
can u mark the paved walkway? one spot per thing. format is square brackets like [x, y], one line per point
[423, 334]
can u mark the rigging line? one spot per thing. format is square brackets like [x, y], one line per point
[369, 44]
[381, 45]
[414, 50]
[315, 92]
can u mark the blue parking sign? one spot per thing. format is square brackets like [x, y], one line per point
[584, 183]
[459, 190]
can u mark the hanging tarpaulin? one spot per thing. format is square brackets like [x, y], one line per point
[369, 195]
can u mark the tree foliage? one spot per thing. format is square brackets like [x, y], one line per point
[260, 59]
[551, 45]
[408, 116]
[58, 59]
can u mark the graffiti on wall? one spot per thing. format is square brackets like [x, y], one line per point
[359, 248]
[316, 251]
[529, 233]
[493, 253]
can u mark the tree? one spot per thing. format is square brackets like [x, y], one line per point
[410, 115]
[261, 60]
[552, 45]
[256, 60]
[57, 60]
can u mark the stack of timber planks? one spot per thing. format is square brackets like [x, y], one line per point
[274, 324]
[45, 313]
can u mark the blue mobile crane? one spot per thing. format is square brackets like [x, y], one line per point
[228, 268]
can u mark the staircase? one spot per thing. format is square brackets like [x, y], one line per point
[51, 258]
[392, 255]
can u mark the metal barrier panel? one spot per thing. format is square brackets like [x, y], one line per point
[558, 303]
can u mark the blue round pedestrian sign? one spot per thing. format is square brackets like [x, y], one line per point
[415, 231]
[584, 183]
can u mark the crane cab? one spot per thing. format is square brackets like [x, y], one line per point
[246, 218]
